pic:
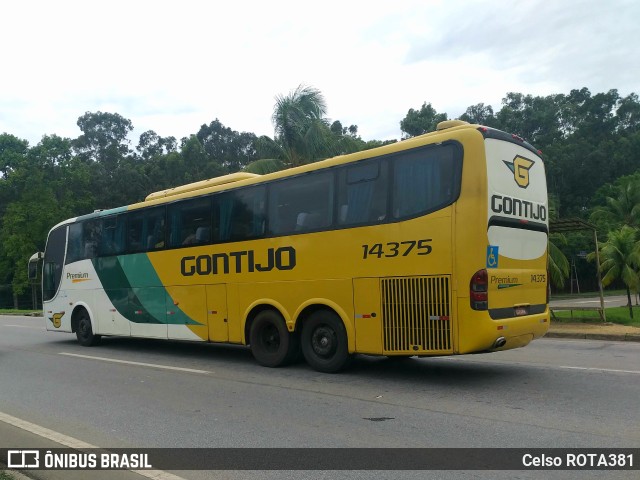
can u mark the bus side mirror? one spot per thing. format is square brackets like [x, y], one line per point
[34, 266]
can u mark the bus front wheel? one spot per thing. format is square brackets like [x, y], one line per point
[84, 332]
[271, 344]
[324, 342]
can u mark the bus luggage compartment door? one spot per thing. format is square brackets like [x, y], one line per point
[217, 312]
[368, 321]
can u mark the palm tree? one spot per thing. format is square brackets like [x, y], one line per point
[620, 258]
[301, 131]
[264, 166]
[557, 261]
[623, 207]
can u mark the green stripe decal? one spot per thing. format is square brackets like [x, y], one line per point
[135, 290]
[508, 285]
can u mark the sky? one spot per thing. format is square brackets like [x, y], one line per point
[172, 66]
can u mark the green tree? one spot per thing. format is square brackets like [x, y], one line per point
[165, 171]
[36, 202]
[346, 139]
[225, 146]
[104, 138]
[417, 122]
[152, 145]
[533, 118]
[620, 259]
[197, 163]
[302, 134]
[12, 153]
[557, 261]
[67, 176]
[481, 114]
[264, 166]
[628, 113]
[622, 204]
[105, 147]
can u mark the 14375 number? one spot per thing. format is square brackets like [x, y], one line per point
[395, 249]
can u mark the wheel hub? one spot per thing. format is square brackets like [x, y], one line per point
[323, 341]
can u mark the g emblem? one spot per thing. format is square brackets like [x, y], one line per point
[520, 167]
[57, 319]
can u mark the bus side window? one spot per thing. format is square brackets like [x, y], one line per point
[185, 218]
[145, 230]
[112, 240]
[301, 204]
[92, 231]
[362, 193]
[240, 215]
[134, 232]
[75, 249]
[153, 233]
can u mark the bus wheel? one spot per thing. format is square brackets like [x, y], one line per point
[271, 344]
[324, 342]
[84, 332]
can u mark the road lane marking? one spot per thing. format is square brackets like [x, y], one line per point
[140, 364]
[596, 369]
[541, 365]
[24, 326]
[76, 444]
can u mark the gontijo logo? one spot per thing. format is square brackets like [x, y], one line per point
[520, 167]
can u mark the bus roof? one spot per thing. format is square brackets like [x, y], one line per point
[192, 187]
[238, 179]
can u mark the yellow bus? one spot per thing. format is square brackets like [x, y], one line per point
[436, 245]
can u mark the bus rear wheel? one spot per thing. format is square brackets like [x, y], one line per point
[84, 332]
[271, 344]
[324, 342]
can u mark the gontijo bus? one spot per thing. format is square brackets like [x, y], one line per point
[436, 245]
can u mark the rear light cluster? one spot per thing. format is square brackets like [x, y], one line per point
[478, 290]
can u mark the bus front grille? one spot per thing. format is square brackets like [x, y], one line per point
[416, 315]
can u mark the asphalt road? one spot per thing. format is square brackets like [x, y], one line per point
[553, 393]
[610, 301]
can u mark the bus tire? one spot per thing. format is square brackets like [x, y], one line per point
[324, 342]
[84, 332]
[271, 344]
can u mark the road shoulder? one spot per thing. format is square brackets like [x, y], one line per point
[594, 331]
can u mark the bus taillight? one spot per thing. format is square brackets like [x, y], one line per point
[478, 290]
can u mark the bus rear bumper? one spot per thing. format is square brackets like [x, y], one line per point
[504, 334]
[519, 332]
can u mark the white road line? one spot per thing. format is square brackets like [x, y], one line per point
[610, 370]
[24, 326]
[75, 443]
[561, 367]
[140, 364]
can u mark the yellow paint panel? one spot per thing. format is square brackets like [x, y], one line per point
[217, 313]
[368, 318]
[191, 301]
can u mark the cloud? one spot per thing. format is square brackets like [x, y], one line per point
[567, 44]
[171, 67]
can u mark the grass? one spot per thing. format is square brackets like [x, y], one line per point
[10, 311]
[607, 293]
[618, 315]
[6, 476]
